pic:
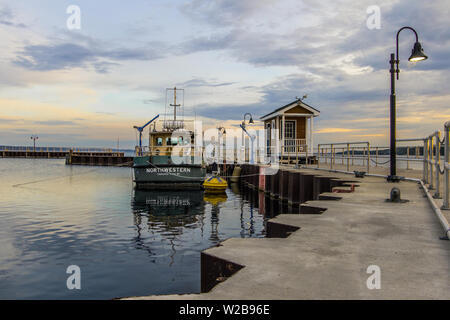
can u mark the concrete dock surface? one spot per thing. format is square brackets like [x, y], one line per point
[329, 256]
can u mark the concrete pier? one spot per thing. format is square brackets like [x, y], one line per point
[331, 245]
[99, 159]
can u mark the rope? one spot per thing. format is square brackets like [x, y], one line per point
[52, 178]
[441, 171]
[70, 175]
[378, 163]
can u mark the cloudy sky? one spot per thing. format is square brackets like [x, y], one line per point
[88, 87]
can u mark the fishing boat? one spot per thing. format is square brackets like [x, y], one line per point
[165, 164]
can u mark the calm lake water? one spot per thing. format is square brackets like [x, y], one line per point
[125, 242]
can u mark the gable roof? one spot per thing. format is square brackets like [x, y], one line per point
[293, 104]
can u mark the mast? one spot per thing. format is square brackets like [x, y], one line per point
[175, 105]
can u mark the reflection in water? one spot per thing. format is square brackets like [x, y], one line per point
[215, 200]
[127, 242]
[167, 213]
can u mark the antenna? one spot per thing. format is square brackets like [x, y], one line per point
[175, 105]
[173, 124]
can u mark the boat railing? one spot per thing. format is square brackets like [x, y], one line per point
[173, 124]
[169, 150]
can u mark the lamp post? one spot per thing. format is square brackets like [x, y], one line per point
[252, 137]
[222, 132]
[34, 138]
[250, 121]
[416, 55]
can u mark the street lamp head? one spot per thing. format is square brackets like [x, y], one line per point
[251, 118]
[417, 53]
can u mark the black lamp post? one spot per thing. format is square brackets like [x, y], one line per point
[250, 121]
[416, 55]
[34, 138]
[252, 137]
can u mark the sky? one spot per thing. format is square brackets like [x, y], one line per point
[90, 86]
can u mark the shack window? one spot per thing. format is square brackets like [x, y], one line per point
[289, 130]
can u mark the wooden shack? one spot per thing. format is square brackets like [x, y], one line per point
[290, 128]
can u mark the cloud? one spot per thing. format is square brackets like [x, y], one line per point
[280, 50]
[203, 83]
[8, 120]
[81, 53]
[56, 123]
[7, 18]
[222, 12]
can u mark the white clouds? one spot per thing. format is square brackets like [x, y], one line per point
[252, 55]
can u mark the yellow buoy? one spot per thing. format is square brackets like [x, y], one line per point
[215, 184]
[215, 198]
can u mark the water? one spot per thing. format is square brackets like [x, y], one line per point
[126, 242]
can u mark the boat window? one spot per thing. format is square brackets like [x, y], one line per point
[174, 141]
[159, 141]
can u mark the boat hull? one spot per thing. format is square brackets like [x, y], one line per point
[169, 176]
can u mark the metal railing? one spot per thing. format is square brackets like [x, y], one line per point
[54, 149]
[446, 205]
[348, 152]
[432, 164]
[328, 151]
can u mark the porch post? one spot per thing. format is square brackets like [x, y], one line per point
[311, 124]
[282, 134]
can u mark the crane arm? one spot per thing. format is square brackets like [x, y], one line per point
[140, 129]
